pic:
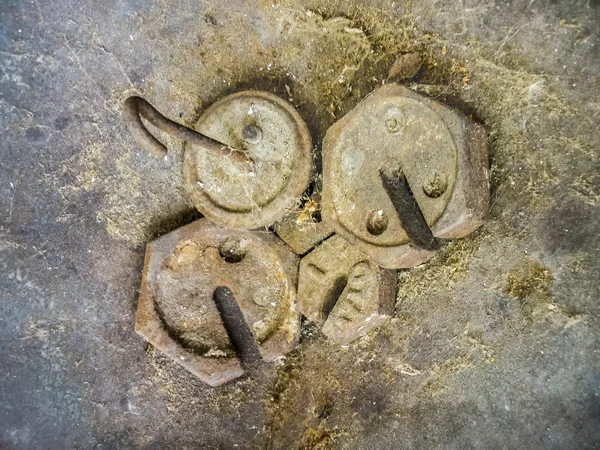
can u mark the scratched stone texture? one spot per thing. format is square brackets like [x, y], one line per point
[494, 343]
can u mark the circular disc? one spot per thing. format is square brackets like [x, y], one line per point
[277, 140]
[389, 133]
[193, 270]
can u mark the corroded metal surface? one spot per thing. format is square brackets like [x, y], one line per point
[177, 312]
[441, 153]
[399, 172]
[300, 234]
[134, 108]
[274, 136]
[342, 289]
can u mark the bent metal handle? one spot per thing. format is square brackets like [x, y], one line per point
[134, 108]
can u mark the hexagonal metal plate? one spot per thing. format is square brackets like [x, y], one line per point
[394, 128]
[177, 312]
[386, 130]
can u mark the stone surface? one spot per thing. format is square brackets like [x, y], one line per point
[442, 155]
[340, 288]
[274, 136]
[177, 311]
[462, 364]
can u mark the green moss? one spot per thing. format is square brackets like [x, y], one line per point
[529, 280]
[316, 439]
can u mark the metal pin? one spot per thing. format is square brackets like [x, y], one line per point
[134, 108]
[408, 210]
[236, 326]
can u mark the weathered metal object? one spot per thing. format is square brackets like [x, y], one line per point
[408, 211]
[134, 108]
[302, 235]
[442, 155]
[184, 273]
[400, 172]
[275, 138]
[238, 330]
[405, 67]
[340, 288]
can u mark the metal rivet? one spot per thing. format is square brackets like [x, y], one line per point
[252, 134]
[377, 222]
[395, 121]
[435, 186]
[231, 251]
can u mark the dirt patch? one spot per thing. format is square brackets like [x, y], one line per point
[447, 267]
[316, 439]
[529, 280]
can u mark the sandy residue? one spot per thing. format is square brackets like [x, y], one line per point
[146, 199]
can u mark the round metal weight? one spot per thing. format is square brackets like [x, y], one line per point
[387, 131]
[178, 310]
[274, 136]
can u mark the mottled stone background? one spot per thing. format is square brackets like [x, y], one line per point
[494, 343]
